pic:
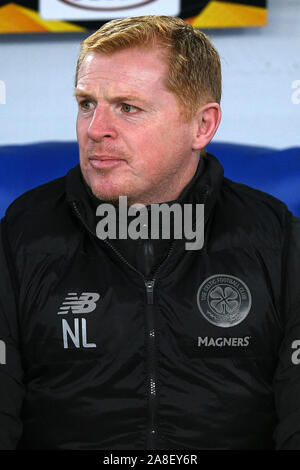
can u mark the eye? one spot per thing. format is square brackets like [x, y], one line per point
[86, 105]
[128, 107]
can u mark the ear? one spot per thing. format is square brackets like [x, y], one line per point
[207, 121]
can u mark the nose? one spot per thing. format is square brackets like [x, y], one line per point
[102, 124]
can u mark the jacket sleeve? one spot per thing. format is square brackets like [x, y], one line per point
[287, 376]
[12, 389]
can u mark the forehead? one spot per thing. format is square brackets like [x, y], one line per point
[135, 69]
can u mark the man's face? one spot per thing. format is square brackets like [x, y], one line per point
[132, 138]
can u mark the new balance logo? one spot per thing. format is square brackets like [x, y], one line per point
[86, 303]
[77, 333]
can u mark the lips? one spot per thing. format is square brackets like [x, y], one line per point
[104, 157]
[105, 161]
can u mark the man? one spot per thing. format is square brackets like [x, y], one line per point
[124, 343]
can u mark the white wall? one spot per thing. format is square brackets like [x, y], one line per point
[259, 67]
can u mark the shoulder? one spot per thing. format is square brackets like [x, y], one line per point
[248, 212]
[246, 196]
[37, 200]
[256, 203]
[39, 219]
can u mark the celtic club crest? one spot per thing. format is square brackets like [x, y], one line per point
[224, 300]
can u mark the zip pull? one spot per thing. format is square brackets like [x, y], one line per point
[149, 289]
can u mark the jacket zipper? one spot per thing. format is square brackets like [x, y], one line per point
[151, 334]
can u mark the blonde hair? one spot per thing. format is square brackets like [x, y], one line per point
[194, 69]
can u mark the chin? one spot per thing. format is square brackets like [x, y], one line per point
[107, 196]
[111, 188]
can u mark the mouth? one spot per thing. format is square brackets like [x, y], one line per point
[105, 161]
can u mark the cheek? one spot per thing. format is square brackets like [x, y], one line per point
[163, 147]
[81, 130]
[149, 150]
[78, 130]
[156, 138]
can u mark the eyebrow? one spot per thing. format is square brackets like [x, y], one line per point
[78, 92]
[127, 97]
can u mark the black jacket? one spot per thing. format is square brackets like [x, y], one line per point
[199, 352]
